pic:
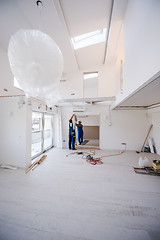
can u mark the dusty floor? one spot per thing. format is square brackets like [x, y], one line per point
[66, 198]
[91, 144]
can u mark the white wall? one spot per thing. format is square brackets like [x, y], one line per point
[90, 87]
[108, 83]
[15, 148]
[16, 129]
[141, 44]
[6, 76]
[109, 79]
[121, 126]
[89, 120]
[126, 126]
[73, 84]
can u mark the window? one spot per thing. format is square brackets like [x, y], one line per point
[90, 75]
[37, 134]
[48, 133]
[89, 39]
[16, 84]
[42, 133]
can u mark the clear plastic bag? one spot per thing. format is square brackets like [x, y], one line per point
[36, 62]
[143, 162]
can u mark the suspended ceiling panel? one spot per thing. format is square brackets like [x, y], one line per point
[146, 96]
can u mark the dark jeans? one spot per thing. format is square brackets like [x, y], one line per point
[71, 142]
[80, 136]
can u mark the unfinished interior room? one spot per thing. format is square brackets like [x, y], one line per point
[80, 119]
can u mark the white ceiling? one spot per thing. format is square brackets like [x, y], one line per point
[63, 19]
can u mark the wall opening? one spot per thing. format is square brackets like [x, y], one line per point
[91, 129]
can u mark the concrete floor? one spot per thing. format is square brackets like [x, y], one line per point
[66, 198]
[91, 144]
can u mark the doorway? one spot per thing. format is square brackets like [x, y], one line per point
[91, 131]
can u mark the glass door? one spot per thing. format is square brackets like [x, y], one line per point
[42, 133]
[48, 131]
[37, 134]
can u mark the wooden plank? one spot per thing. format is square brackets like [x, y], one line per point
[146, 137]
[40, 161]
[33, 165]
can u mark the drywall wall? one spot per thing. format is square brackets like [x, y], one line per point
[108, 83]
[6, 77]
[126, 126]
[90, 87]
[141, 44]
[72, 87]
[109, 79]
[15, 146]
[16, 129]
[116, 127]
[89, 120]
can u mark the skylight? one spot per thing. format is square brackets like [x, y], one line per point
[16, 84]
[90, 75]
[89, 38]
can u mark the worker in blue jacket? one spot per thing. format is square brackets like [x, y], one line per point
[72, 133]
[80, 132]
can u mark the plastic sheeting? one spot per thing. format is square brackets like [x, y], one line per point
[36, 62]
[143, 162]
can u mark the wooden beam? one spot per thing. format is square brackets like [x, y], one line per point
[33, 165]
[146, 137]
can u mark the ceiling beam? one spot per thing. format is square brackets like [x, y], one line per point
[108, 31]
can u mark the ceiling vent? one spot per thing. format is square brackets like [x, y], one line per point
[79, 109]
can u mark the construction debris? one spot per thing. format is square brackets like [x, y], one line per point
[35, 164]
[144, 162]
[93, 161]
[90, 159]
[156, 165]
[8, 167]
[146, 137]
[146, 170]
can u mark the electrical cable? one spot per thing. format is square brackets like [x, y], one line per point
[98, 160]
[89, 157]
[116, 154]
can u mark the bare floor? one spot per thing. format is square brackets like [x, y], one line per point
[66, 198]
[91, 144]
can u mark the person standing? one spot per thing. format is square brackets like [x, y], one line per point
[80, 132]
[72, 133]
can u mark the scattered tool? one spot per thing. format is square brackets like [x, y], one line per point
[90, 159]
[156, 165]
[35, 164]
[146, 170]
[74, 153]
[85, 142]
[93, 161]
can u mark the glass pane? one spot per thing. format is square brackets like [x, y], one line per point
[36, 133]
[48, 131]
